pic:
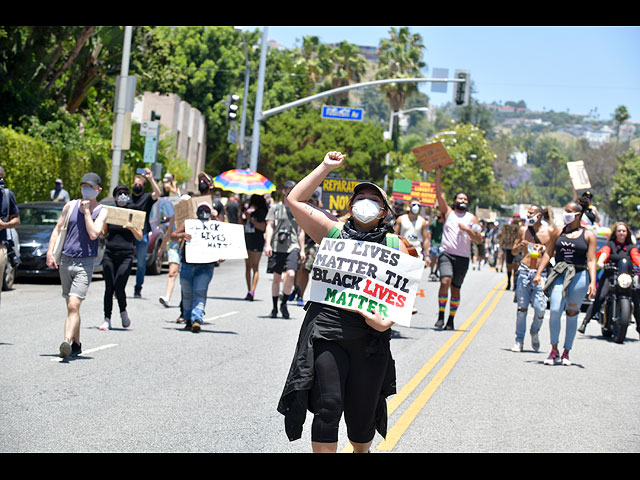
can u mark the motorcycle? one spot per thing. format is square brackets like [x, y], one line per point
[616, 311]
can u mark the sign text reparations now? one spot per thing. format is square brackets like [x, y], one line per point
[212, 241]
[364, 276]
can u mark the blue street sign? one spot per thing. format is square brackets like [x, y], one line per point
[342, 113]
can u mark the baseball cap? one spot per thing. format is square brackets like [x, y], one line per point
[289, 184]
[92, 179]
[375, 187]
[206, 176]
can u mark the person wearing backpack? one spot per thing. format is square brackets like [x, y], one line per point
[343, 361]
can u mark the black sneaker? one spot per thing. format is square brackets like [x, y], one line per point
[284, 310]
[76, 349]
[137, 292]
[274, 313]
[440, 322]
[449, 324]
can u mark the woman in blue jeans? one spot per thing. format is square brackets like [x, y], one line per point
[194, 277]
[573, 276]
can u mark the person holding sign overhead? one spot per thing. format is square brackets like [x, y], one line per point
[343, 362]
[118, 260]
[460, 228]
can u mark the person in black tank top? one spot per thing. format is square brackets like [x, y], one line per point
[333, 341]
[118, 260]
[573, 276]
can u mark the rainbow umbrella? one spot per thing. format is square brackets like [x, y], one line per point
[244, 181]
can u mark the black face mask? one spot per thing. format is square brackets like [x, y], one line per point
[137, 189]
[203, 187]
[461, 206]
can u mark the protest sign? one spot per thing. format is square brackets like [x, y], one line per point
[123, 216]
[187, 208]
[406, 190]
[578, 174]
[363, 276]
[432, 155]
[212, 241]
[336, 193]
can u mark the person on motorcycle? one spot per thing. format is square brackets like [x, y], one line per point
[619, 245]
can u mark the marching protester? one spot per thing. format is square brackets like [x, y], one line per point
[9, 218]
[254, 219]
[530, 242]
[415, 228]
[572, 276]
[335, 341]
[173, 257]
[435, 238]
[194, 277]
[84, 220]
[460, 229]
[141, 200]
[117, 260]
[284, 247]
[59, 194]
[619, 245]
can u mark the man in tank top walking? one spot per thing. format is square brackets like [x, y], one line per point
[460, 229]
[86, 220]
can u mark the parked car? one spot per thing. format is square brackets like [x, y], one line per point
[10, 270]
[159, 220]
[37, 221]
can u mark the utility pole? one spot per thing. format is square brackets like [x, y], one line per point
[257, 116]
[116, 159]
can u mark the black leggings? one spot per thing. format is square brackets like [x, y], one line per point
[346, 380]
[116, 268]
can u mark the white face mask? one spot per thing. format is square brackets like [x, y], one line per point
[365, 210]
[569, 217]
[532, 221]
[415, 209]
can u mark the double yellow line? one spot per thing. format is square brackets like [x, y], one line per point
[405, 420]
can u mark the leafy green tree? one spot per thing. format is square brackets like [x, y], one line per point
[625, 197]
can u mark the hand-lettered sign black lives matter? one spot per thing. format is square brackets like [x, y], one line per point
[432, 155]
[364, 276]
[212, 241]
[336, 193]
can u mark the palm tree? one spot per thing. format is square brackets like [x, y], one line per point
[315, 57]
[621, 115]
[348, 67]
[400, 56]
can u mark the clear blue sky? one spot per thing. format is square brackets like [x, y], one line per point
[571, 68]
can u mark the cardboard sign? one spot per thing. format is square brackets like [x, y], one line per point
[124, 216]
[362, 276]
[212, 241]
[187, 208]
[578, 174]
[336, 193]
[405, 190]
[432, 155]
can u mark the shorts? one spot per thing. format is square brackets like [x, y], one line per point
[254, 241]
[282, 261]
[75, 276]
[173, 253]
[454, 267]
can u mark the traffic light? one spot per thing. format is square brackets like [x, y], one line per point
[461, 89]
[232, 107]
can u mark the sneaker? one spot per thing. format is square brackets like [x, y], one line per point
[449, 325]
[106, 325]
[187, 325]
[535, 342]
[65, 349]
[126, 322]
[249, 297]
[195, 327]
[137, 292]
[164, 301]
[565, 358]
[440, 322]
[284, 310]
[179, 320]
[274, 313]
[553, 358]
[300, 302]
[583, 326]
[517, 347]
[76, 349]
